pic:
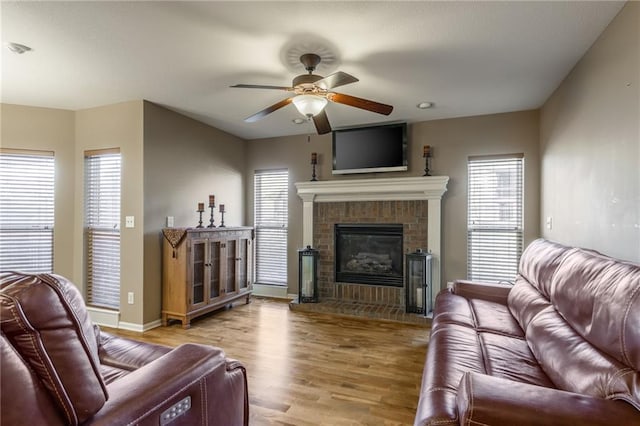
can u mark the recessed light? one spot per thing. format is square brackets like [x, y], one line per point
[298, 120]
[425, 105]
[17, 47]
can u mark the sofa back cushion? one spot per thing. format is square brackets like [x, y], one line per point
[581, 314]
[531, 291]
[23, 398]
[599, 297]
[45, 320]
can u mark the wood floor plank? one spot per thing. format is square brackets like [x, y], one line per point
[308, 368]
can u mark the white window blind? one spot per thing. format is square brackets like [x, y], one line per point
[26, 211]
[102, 227]
[494, 213]
[271, 216]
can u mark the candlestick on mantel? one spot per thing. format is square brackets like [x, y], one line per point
[426, 153]
[221, 208]
[200, 207]
[212, 200]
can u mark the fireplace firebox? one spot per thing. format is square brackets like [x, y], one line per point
[369, 254]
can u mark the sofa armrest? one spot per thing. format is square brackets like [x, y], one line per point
[486, 291]
[484, 399]
[217, 387]
[127, 354]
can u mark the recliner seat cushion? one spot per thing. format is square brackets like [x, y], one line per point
[44, 318]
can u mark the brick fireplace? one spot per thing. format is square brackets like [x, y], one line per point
[413, 202]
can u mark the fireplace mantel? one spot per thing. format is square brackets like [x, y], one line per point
[429, 188]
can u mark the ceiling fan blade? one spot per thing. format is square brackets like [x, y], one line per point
[261, 114]
[360, 103]
[322, 123]
[336, 79]
[260, 86]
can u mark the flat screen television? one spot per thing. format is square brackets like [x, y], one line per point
[381, 148]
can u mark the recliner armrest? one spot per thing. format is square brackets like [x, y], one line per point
[127, 354]
[486, 291]
[484, 399]
[217, 387]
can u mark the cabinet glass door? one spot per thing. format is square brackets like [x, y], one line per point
[243, 252]
[198, 274]
[230, 281]
[214, 269]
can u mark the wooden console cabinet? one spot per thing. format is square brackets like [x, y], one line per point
[208, 268]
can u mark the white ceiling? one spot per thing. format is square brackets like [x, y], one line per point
[469, 58]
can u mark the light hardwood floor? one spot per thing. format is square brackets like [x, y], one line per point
[313, 369]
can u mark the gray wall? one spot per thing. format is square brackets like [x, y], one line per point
[184, 162]
[590, 146]
[453, 141]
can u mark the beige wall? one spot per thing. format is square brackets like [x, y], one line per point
[590, 146]
[48, 129]
[116, 126]
[184, 162]
[453, 141]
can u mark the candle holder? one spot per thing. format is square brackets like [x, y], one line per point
[222, 210]
[200, 210]
[211, 225]
[426, 153]
[314, 161]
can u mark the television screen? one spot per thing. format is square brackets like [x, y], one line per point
[370, 149]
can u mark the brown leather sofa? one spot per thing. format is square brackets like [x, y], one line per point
[58, 368]
[559, 347]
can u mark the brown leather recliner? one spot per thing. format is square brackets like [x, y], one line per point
[560, 347]
[58, 368]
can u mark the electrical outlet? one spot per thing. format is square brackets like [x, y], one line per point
[128, 222]
[549, 222]
[169, 221]
[130, 298]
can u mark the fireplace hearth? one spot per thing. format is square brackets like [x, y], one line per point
[369, 254]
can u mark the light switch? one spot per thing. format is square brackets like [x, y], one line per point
[549, 222]
[128, 222]
[169, 221]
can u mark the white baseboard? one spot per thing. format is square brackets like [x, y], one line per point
[276, 291]
[139, 328]
[105, 317]
[109, 318]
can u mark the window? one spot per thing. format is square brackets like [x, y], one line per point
[271, 216]
[102, 227]
[494, 217]
[26, 211]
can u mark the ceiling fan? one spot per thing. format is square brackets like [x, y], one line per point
[312, 93]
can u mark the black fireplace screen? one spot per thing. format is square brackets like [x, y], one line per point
[369, 254]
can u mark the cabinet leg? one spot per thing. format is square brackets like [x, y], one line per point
[186, 324]
[165, 321]
[248, 299]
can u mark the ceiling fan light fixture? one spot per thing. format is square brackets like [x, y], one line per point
[309, 105]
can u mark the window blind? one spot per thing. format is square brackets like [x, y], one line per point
[271, 216]
[102, 227]
[26, 211]
[494, 217]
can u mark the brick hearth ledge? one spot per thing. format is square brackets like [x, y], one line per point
[429, 188]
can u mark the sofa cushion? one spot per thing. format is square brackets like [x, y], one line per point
[21, 390]
[574, 365]
[599, 297]
[44, 318]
